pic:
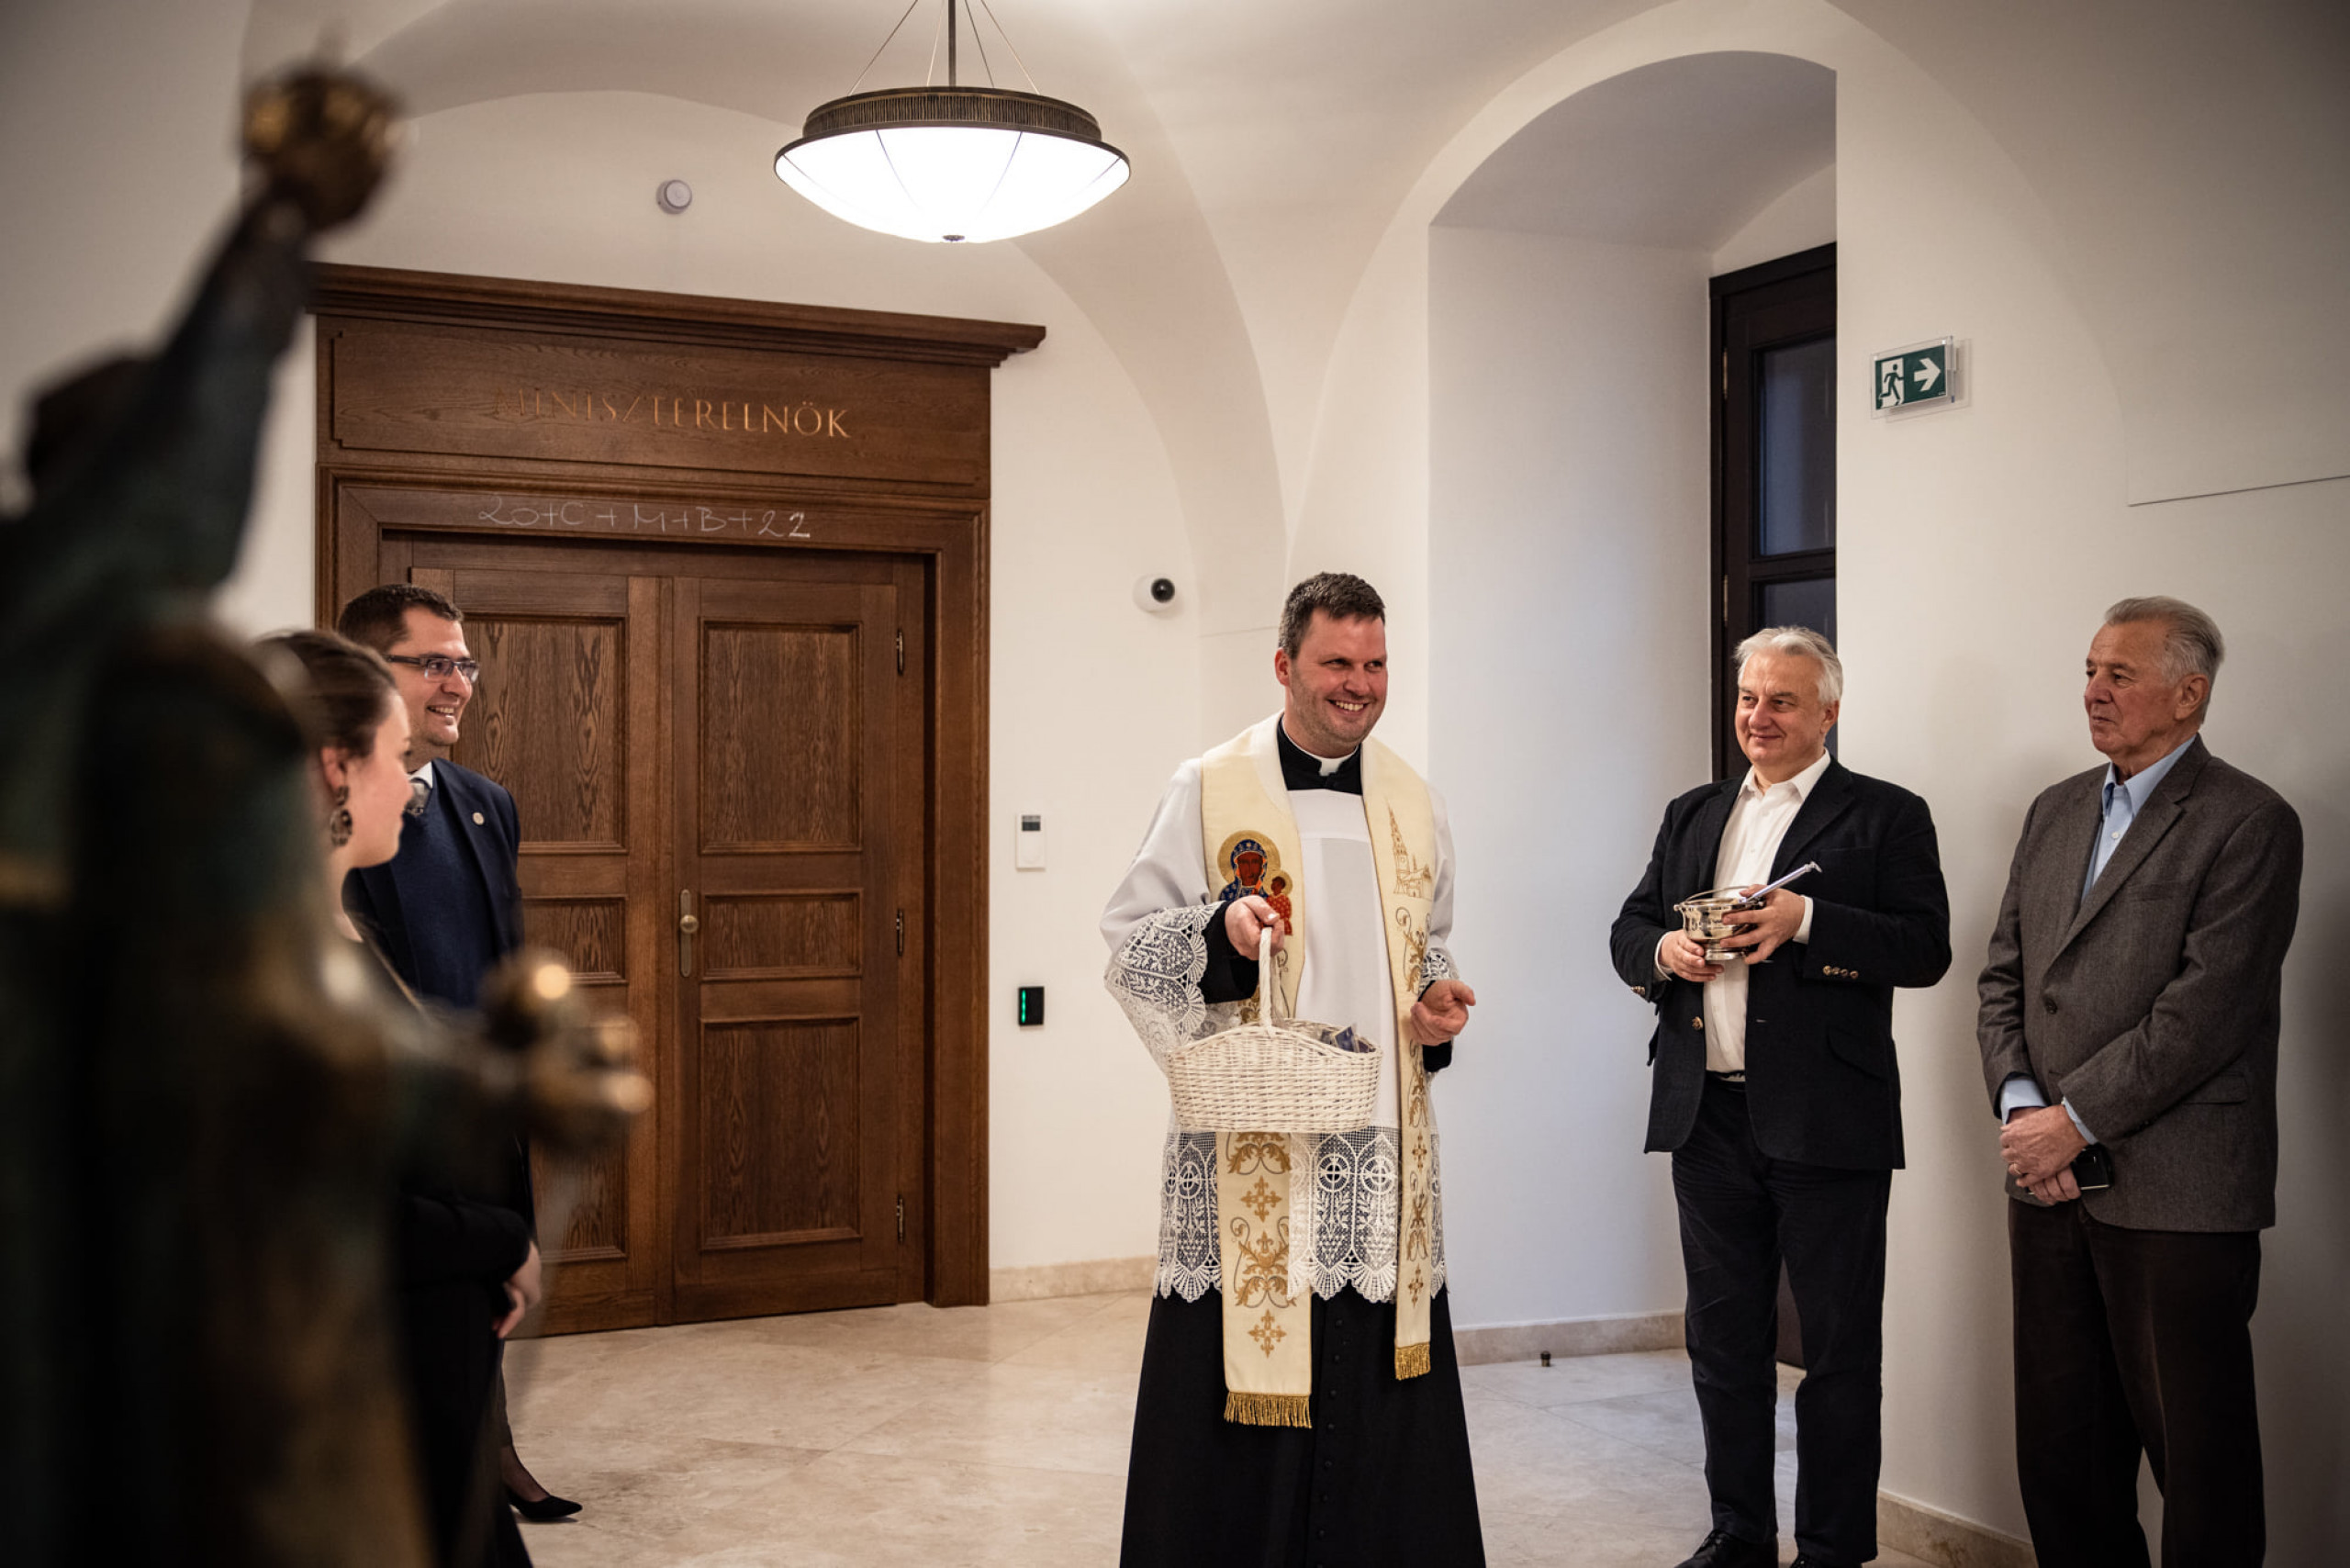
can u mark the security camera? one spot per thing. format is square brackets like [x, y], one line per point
[1155, 594]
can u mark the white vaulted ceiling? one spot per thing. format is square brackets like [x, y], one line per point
[1274, 143]
[1682, 153]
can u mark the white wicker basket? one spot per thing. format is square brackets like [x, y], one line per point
[1275, 1076]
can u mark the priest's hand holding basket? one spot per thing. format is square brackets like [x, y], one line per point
[1273, 1074]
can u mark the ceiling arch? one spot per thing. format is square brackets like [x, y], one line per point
[1682, 153]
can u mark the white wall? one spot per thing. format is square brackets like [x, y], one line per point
[1977, 548]
[1567, 586]
[1803, 216]
[101, 231]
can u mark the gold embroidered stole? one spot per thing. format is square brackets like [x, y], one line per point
[1250, 842]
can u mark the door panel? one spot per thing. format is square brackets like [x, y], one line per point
[552, 722]
[780, 1113]
[790, 1073]
[780, 728]
[781, 935]
[567, 719]
[747, 750]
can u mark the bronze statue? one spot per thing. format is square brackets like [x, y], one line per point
[201, 1106]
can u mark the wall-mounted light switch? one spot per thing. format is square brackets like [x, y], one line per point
[1032, 1006]
[1028, 843]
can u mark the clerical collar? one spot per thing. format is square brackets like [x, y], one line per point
[1301, 769]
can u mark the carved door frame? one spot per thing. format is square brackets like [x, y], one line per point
[893, 461]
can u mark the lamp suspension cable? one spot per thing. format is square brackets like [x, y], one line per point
[1006, 36]
[952, 162]
[885, 44]
[980, 42]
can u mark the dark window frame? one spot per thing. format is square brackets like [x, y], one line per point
[1778, 303]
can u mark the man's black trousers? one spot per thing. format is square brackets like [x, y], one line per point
[2129, 1340]
[1742, 1212]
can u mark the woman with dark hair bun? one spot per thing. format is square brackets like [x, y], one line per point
[353, 714]
[467, 1269]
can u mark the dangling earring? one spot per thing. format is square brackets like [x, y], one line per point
[339, 824]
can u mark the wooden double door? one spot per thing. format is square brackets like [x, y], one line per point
[717, 758]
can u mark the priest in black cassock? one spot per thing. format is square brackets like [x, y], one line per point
[1299, 1401]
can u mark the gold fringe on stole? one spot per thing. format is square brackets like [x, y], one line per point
[1266, 1409]
[1414, 1361]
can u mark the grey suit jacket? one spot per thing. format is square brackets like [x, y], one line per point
[2152, 1003]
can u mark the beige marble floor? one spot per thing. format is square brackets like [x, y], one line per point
[909, 1435]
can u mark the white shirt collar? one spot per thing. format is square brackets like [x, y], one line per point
[1802, 782]
[425, 773]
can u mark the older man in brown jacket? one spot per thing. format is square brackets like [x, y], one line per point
[2130, 1003]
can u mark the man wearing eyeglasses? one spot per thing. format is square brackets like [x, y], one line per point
[448, 907]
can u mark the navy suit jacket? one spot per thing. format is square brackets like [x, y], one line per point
[1822, 1085]
[387, 897]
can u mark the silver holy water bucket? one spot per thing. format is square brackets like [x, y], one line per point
[1706, 920]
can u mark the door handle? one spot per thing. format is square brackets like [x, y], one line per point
[687, 924]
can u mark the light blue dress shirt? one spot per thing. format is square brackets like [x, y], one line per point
[2124, 799]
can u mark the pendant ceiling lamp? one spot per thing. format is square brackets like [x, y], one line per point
[954, 162]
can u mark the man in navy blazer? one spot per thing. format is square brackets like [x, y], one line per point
[448, 907]
[1776, 1091]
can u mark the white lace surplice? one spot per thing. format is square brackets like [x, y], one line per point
[1155, 924]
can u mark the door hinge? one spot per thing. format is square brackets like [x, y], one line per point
[901, 653]
[902, 933]
[1725, 373]
[902, 1217]
[1725, 598]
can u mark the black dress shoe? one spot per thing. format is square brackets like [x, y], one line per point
[1723, 1550]
[547, 1508]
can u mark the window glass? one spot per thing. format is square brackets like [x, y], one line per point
[1796, 446]
[1807, 602]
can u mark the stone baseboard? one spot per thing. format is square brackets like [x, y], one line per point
[1946, 1539]
[1568, 1337]
[1096, 1276]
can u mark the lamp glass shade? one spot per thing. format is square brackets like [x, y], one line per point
[952, 182]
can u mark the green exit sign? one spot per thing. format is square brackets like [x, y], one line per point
[1912, 377]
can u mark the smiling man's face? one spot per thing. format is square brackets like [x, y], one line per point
[1336, 684]
[435, 703]
[1782, 723]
